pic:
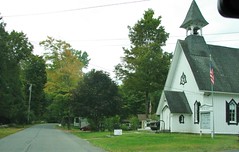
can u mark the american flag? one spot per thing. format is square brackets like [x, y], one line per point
[211, 74]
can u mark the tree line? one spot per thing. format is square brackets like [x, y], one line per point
[19, 68]
[60, 90]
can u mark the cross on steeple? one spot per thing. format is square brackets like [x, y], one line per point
[194, 20]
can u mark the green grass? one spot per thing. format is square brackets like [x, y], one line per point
[8, 131]
[165, 142]
[12, 129]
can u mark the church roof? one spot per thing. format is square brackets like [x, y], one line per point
[177, 102]
[194, 17]
[224, 61]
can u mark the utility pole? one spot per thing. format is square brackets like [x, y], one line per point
[29, 103]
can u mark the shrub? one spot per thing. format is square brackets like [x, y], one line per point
[134, 121]
[112, 123]
[126, 126]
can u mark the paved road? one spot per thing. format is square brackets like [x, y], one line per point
[44, 138]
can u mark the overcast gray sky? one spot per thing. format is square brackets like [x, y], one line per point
[99, 27]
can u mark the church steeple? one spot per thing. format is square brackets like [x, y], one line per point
[194, 20]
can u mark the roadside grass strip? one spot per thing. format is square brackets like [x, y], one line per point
[8, 131]
[137, 141]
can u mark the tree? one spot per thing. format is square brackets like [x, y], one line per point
[132, 102]
[34, 73]
[144, 67]
[15, 48]
[56, 47]
[96, 97]
[64, 70]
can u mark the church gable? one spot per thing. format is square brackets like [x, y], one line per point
[180, 76]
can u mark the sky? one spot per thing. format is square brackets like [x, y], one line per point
[99, 27]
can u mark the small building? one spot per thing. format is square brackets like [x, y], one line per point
[144, 122]
[201, 93]
[80, 122]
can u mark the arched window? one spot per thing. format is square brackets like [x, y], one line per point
[181, 119]
[196, 112]
[232, 112]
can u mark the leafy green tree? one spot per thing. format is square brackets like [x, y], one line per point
[132, 102]
[64, 70]
[5, 94]
[15, 48]
[97, 97]
[145, 65]
[34, 73]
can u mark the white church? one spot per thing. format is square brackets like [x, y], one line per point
[190, 102]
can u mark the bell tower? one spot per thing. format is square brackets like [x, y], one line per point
[194, 21]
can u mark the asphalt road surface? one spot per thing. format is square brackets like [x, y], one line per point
[44, 138]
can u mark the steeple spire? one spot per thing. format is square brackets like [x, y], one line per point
[194, 20]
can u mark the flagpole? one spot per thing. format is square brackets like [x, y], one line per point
[213, 129]
[212, 83]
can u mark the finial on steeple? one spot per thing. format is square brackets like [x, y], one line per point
[194, 20]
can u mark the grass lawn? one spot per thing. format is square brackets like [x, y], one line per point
[135, 141]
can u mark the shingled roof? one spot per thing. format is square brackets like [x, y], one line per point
[225, 62]
[177, 102]
[194, 17]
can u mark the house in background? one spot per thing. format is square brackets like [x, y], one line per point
[190, 102]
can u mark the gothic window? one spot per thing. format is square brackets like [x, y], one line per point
[232, 112]
[196, 112]
[181, 119]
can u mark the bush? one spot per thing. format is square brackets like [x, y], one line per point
[134, 121]
[126, 126]
[112, 123]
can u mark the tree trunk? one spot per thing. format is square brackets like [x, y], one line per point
[147, 104]
[69, 118]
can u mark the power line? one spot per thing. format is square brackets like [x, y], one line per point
[128, 45]
[222, 33]
[100, 67]
[209, 34]
[223, 40]
[172, 43]
[109, 39]
[127, 39]
[77, 9]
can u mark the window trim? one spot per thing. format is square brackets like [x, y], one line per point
[228, 115]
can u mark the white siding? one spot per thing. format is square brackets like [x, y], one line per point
[181, 127]
[219, 102]
[191, 91]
